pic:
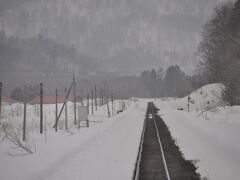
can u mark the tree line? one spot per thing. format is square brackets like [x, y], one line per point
[154, 83]
[220, 50]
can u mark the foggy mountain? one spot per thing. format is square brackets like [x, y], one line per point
[119, 36]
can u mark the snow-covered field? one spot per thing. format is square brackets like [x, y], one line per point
[106, 150]
[208, 133]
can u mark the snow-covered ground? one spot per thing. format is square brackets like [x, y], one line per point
[208, 133]
[106, 150]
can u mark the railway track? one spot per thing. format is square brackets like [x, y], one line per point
[159, 158]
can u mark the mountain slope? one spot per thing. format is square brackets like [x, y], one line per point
[122, 35]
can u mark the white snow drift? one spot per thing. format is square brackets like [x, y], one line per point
[209, 133]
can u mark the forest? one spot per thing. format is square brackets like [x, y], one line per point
[220, 50]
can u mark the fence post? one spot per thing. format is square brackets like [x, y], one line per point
[56, 112]
[24, 115]
[41, 108]
[74, 100]
[0, 101]
[66, 120]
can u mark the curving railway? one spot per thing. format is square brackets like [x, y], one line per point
[159, 158]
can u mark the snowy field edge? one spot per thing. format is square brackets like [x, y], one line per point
[209, 137]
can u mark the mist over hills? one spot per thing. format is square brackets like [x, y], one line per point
[125, 36]
[97, 37]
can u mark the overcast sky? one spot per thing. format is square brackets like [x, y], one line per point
[125, 36]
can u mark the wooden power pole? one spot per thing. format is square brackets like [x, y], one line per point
[112, 100]
[95, 89]
[56, 112]
[41, 108]
[108, 105]
[92, 99]
[87, 103]
[24, 115]
[104, 93]
[66, 120]
[65, 102]
[74, 100]
[100, 95]
[0, 101]
[189, 98]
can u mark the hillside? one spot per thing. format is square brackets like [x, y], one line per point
[126, 36]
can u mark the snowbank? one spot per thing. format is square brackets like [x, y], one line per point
[209, 133]
[106, 150]
[207, 96]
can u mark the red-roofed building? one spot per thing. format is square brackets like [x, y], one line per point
[50, 99]
[8, 100]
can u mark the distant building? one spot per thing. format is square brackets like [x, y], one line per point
[9, 101]
[50, 100]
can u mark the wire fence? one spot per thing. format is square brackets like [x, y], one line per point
[19, 121]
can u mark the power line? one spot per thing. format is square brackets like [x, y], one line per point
[67, 72]
[36, 71]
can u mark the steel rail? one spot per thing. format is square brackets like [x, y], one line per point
[161, 147]
[139, 158]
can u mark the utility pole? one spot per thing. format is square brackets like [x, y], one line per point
[66, 120]
[92, 99]
[63, 105]
[82, 98]
[188, 103]
[56, 112]
[41, 108]
[104, 93]
[102, 99]
[100, 95]
[108, 105]
[24, 115]
[87, 103]
[0, 101]
[95, 89]
[112, 105]
[74, 100]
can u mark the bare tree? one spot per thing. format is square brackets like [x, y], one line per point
[220, 49]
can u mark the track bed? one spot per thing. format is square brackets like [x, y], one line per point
[159, 157]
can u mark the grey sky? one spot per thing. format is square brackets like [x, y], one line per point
[118, 35]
